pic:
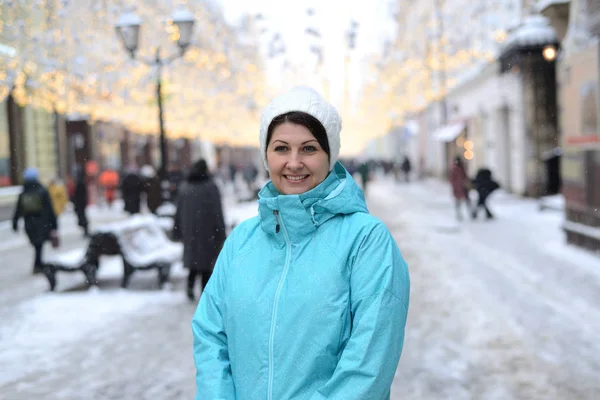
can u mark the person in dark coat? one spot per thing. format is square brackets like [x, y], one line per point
[199, 224]
[406, 168]
[176, 178]
[131, 191]
[80, 202]
[363, 170]
[35, 207]
[484, 184]
[152, 188]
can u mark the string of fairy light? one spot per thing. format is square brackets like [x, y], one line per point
[64, 56]
[436, 42]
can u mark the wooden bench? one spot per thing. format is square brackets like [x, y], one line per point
[144, 245]
[85, 260]
[140, 241]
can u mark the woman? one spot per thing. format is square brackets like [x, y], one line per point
[35, 207]
[459, 180]
[309, 299]
[199, 224]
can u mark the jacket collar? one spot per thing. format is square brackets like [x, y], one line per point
[300, 215]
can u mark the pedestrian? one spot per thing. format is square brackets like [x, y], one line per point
[35, 207]
[131, 190]
[406, 168]
[199, 224]
[176, 178]
[309, 299]
[484, 184]
[152, 188]
[58, 195]
[459, 180]
[80, 201]
[365, 175]
[109, 182]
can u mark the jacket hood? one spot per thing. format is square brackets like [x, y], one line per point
[31, 185]
[199, 172]
[301, 214]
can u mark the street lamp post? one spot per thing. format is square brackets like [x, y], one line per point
[128, 31]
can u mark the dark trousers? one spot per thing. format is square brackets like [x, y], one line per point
[82, 220]
[481, 203]
[192, 278]
[37, 263]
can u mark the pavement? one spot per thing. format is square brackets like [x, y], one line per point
[485, 321]
[6, 212]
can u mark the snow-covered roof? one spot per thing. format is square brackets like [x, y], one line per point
[448, 133]
[541, 5]
[535, 30]
[182, 15]
[77, 116]
[129, 19]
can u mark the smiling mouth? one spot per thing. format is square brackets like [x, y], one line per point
[295, 178]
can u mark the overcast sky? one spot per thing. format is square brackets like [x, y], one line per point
[332, 19]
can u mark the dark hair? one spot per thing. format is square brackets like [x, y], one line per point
[306, 120]
[199, 171]
[458, 161]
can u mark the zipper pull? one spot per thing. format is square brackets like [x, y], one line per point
[276, 213]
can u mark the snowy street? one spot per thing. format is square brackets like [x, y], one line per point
[499, 310]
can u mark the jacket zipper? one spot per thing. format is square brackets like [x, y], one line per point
[276, 213]
[276, 300]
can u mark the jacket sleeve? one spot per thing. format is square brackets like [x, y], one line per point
[177, 233]
[379, 304]
[213, 371]
[219, 221]
[17, 214]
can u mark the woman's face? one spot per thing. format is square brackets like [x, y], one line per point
[297, 163]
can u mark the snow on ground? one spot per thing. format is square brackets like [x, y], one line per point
[49, 324]
[499, 309]
[106, 343]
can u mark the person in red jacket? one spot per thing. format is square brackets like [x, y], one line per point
[459, 180]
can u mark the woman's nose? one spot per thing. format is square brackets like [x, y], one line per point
[295, 161]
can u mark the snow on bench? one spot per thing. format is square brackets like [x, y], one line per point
[144, 245]
[166, 210]
[139, 240]
[70, 261]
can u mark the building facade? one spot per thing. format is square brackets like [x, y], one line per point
[578, 78]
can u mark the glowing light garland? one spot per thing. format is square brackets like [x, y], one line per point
[67, 58]
[411, 74]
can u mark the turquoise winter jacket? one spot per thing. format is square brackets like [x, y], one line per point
[307, 301]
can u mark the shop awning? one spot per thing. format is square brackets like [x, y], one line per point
[448, 133]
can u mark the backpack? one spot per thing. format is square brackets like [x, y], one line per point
[31, 203]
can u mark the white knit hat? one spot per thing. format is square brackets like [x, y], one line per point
[309, 101]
